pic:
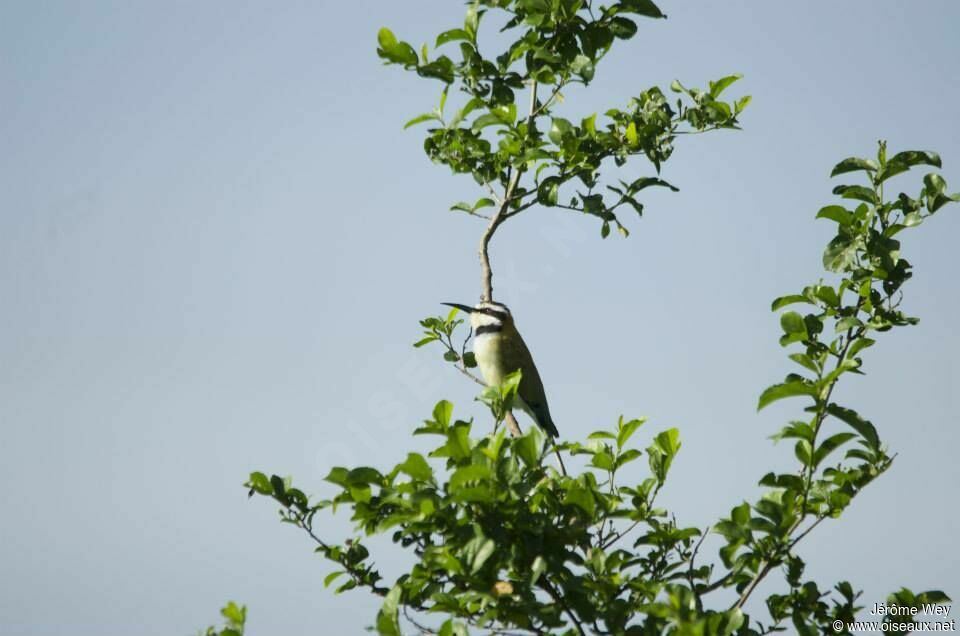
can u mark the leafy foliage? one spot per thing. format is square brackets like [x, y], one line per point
[558, 44]
[503, 543]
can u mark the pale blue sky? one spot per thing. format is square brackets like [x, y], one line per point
[216, 241]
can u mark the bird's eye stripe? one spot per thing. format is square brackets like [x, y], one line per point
[493, 313]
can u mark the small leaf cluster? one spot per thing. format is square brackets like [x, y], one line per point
[496, 139]
[440, 329]
[904, 598]
[236, 619]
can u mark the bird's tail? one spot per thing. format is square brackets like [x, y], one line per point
[542, 416]
[550, 427]
[546, 423]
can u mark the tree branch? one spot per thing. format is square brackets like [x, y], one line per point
[486, 274]
[818, 422]
[545, 584]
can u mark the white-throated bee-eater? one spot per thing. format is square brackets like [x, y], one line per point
[500, 351]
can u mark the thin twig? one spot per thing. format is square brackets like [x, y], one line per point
[423, 628]
[463, 370]
[800, 536]
[692, 567]
[493, 193]
[379, 591]
[619, 535]
[545, 105]
[545, 584]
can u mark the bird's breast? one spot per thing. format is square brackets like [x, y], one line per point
[488, 349]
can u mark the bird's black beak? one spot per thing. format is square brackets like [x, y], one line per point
[464, 308]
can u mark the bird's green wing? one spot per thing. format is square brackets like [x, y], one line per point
[531, 389]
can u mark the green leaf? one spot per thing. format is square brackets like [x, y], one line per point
[741, 515]
[487, 119]
[441, 68]
[840, 254]
[527, 447]
[425, 341]
[458, 442]
[858, 345]
[417, 467]
[934, 183]
[234, 613]
[260, 483]
[579, 496]
[558, 128]
[538, 568]
[642, 7]
[903, 161]
[805, 361]
[386, 39]
[858, 192]
[486, 549]
[442, 412]
[602, 460]
[469, 474]
[741, 103]
[646, 182]
[451, 628]
[829, 445]
[785, 390]
[856, 422]
[721, 84]
[792, 323]
[837, 213]
[583, 66]
[794, 430]
[388, 622]
[850, 322]
[451, 36]
[330, 578]
[853, 164]
[631, 134]
[364, 475]
[472, 22]
[419, 119]
[548, 192]
[627, 430]
[339, 476]
[783, 301]
[394, 51]
[623, 28]
[827, 295]
[660, 454]
[483, 203]
[462, 114]
[941, 200]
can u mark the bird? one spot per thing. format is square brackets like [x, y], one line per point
[500, 350]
